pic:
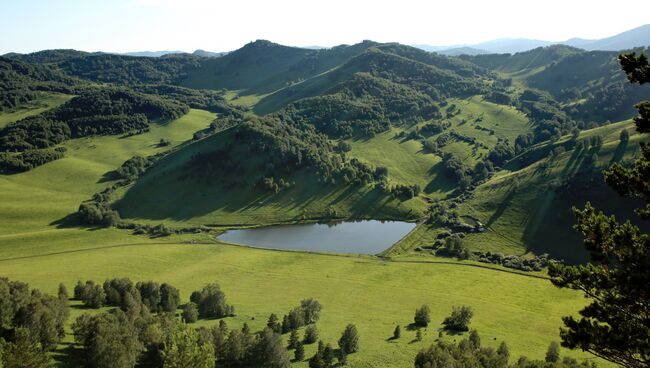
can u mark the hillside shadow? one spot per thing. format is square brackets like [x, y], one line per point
[573, 161]
[550, 226]
[503, 205]
[145, 200]
[69, 356]
[440, 182]
[108, 176]
[68, 221]
[617, 156]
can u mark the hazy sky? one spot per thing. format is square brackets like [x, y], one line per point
[215, 25]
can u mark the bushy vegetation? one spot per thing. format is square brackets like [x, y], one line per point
[28, 159]
[307, 313]
[210, 100]
[459, 319]
[20, 82]
[468, 353]
[422, 317]
[211, 302]
[119, 69]
[31, 324]
[123, 293]
[134, 167]
[535, 263]
[97, 112]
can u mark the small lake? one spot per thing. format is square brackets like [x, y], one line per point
[358, 237]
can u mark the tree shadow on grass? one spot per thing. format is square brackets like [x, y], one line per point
[503, 206]
[108, 176]
[72, 221]
[619, 152]
[70, 356]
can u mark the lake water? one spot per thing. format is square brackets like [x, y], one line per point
[358, 237]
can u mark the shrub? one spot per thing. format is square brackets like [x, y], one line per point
[211, 302]
[311, 334]
[349, 341]
[422, 317]
[459, 319]
[190, 312]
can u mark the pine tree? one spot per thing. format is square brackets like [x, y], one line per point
[63, 292]
[475, 339]
[349, 341]
[503, 350]
[328, 355]
[311, 334]
[343, 357]
[616, 325]
[293, 339]
[286, 326]
[553, 353]
[299, 354]
[274, 324]
[422, 318]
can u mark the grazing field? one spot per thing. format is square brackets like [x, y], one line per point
[168, 193]
[406, 161]
[34, 200]
[528, 209]
[45, 102]
[376, 295]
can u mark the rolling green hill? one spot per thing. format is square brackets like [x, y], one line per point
[34, 249]
[39, 104]
[217, 180]
[589, 84]
[333, 114]
[525, 207]
[270, 134]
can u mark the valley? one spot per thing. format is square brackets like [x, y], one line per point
[181, 169]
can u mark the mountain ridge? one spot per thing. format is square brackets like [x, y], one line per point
[636, 37]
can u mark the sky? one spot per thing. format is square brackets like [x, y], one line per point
[215, 25]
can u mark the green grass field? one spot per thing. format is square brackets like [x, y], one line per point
[33, 200]
[375, 294]
[45, 101]
[406, 161]
[524, 213]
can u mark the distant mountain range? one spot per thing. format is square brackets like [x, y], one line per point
[636, 37]
[198, 52]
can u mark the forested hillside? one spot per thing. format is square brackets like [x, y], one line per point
[589, 85]
[162, 156]
[296, 125]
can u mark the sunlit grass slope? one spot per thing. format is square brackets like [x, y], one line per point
[406, 161]
[45, 102]
[373, 294]
[31, 201]
[168, 193]
[527, 209]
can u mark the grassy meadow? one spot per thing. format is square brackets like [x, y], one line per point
[524, 213]
[376, 294]
[45, 101]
